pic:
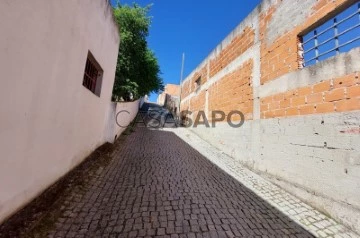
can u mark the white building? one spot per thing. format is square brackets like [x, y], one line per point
[58, 61]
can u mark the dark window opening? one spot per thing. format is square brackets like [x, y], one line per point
[93, 75]
[339, 34]
[198, 84]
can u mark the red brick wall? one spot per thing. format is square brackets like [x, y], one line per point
[234, 92]
[197, 103]
[203, 73]
[334, 95]
[188, 86]
[278, 57]
[237, 47]
[186, 89]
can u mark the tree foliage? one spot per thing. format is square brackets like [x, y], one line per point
[137, 70]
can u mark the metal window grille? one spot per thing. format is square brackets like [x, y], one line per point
[339, 34]
[90, 75]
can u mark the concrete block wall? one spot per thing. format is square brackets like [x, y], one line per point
[302, 127]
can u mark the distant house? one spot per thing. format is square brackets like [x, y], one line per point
[170, 98]
[170, 89]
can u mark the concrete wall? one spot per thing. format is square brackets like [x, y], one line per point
[126, 113]
[302, 124]
[119, 116]
[49, 121]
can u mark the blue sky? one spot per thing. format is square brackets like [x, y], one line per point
[193, 27]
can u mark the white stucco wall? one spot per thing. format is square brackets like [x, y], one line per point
[49, 121]
[119, 117]
[125, 114]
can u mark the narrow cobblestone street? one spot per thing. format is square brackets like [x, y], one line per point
[157, 185]
[105, 134]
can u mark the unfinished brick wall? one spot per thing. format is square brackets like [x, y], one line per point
[185, 89]
[234, 92]
[189, 86]
[238, 46]
[202, 74]
[280, 55]
[302, 123]
[197, 104]
[335, 95]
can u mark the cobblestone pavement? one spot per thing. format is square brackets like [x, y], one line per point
[312, 220]
[159, 186]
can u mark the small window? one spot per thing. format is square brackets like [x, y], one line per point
[197, 83]
[93, 75]
[339, 34]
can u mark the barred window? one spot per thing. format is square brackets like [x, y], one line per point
[92, 75]
[339, 34]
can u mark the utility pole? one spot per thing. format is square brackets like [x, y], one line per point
[182, 68]
[182, 74]
[181, 79]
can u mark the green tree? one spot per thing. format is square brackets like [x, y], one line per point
[137, 70]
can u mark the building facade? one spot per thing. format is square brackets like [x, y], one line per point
[170, 89]
[58, 61]
[170, 98]
[292, 69]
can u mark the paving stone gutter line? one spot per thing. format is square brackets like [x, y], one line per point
[309, 218]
